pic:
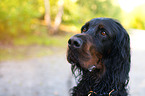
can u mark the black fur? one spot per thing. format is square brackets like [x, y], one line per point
[104, 44]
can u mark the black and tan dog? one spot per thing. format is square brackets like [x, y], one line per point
[101, 57]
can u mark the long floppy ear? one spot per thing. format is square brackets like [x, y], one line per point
[120, 55]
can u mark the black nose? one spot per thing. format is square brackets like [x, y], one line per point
[75, 42]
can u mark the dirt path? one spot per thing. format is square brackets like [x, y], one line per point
[51, 76]
[46, 76]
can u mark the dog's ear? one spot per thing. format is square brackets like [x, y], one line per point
[122, 43]
[120, 54]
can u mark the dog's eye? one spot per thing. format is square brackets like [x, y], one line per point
[103, 33]
[84, 29]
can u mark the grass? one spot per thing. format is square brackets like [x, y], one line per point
[27, 52]
[34, 46]
[37, 40]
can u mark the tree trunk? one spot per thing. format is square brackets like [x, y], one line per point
[58, 18]
[47, 14]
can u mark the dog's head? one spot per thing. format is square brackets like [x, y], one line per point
[100, 39]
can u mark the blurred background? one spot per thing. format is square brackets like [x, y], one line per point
[33, 42]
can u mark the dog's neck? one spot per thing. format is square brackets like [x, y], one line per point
[92, 82]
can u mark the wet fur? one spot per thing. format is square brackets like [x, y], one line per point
[111, 57]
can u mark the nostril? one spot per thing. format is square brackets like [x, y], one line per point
[76, 43]
[69, 42]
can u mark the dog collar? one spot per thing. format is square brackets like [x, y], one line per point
[104, 94]
[91, 68]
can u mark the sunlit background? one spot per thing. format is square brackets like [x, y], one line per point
[33, 42]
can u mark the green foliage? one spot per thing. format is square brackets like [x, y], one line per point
[83, 10]
[17, 16]
[138, 21]
[25, 18]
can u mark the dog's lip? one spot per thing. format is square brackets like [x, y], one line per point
[70, 60]
[72, 63]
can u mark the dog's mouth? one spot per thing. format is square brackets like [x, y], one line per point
[85, 56]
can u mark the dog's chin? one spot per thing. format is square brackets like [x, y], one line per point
[87, 60]
[71, 62]
[80, 64]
